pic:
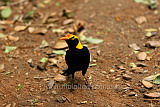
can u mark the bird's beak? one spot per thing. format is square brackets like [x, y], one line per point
[64, 38]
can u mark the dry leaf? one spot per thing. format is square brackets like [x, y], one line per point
[60, 45]
[60, 78]
[37, 30]
[153, 95]
[13, 38]
[147, 84]
[19, 28]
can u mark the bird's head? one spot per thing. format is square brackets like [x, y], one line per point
[72, 41]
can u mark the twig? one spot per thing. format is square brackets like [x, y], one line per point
[67, 98]
[43, 77]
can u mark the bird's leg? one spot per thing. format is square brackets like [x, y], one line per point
[72, 83]
[87, 83]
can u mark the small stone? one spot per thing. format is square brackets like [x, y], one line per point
[134, 47]
[98, 52]
[142, 90]
[61, 99]
[1, 66]
[41, 67]
[83, 102]
[132, 94]
[54, 92]
[50, 84]
[153, 44]
[127, 77]
[141, 56]
[147, 84]
[104, 72]
[111, 70]
[141, 19]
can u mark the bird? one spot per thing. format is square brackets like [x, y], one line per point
[77, 57]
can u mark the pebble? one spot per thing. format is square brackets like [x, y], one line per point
[141, 56]
[142, 90]
[134, 46]
[132, 94]
[153, 44]
[140, 19]
[51, 84]
[54, 92]
[127, 77]
[61, 99]
[147, 84]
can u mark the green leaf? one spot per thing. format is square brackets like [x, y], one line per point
[91, 65]
[44, 43]
[94, 40]
[82, 37]
[135, 51]
[30, 13]
[57, 31]
[9, 49]
[132, 65]
[149, 51]
[149, 34]
[35, 101]
[6, 73]
[44, 59]
[157, 80]
[59, 52]
[2, 35]
[6, 13]
[58, 3]
[19, 86]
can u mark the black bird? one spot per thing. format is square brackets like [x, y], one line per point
[77, 57]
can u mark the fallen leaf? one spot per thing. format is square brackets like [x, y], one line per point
[59, 52]
[147, 84]
[2, 35]
[132, 65]
[57, 3]
[94, 40]
[60, 78]
[157, 80]
[91, 65]
[68, 21]
[13, 38]
[152, 77]
[151, 30]
[6, 13]
[60, 45]
[153, 95]
[9, 49]
[44, 59]
[58, 31]
[19, 86]
[35, 101]
[19, 28]
[44, 44]
[37, 30]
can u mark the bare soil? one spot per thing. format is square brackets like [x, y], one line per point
[110, 20]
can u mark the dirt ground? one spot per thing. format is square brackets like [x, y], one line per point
[110, 20]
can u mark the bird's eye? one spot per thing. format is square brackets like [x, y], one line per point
[72, 38]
